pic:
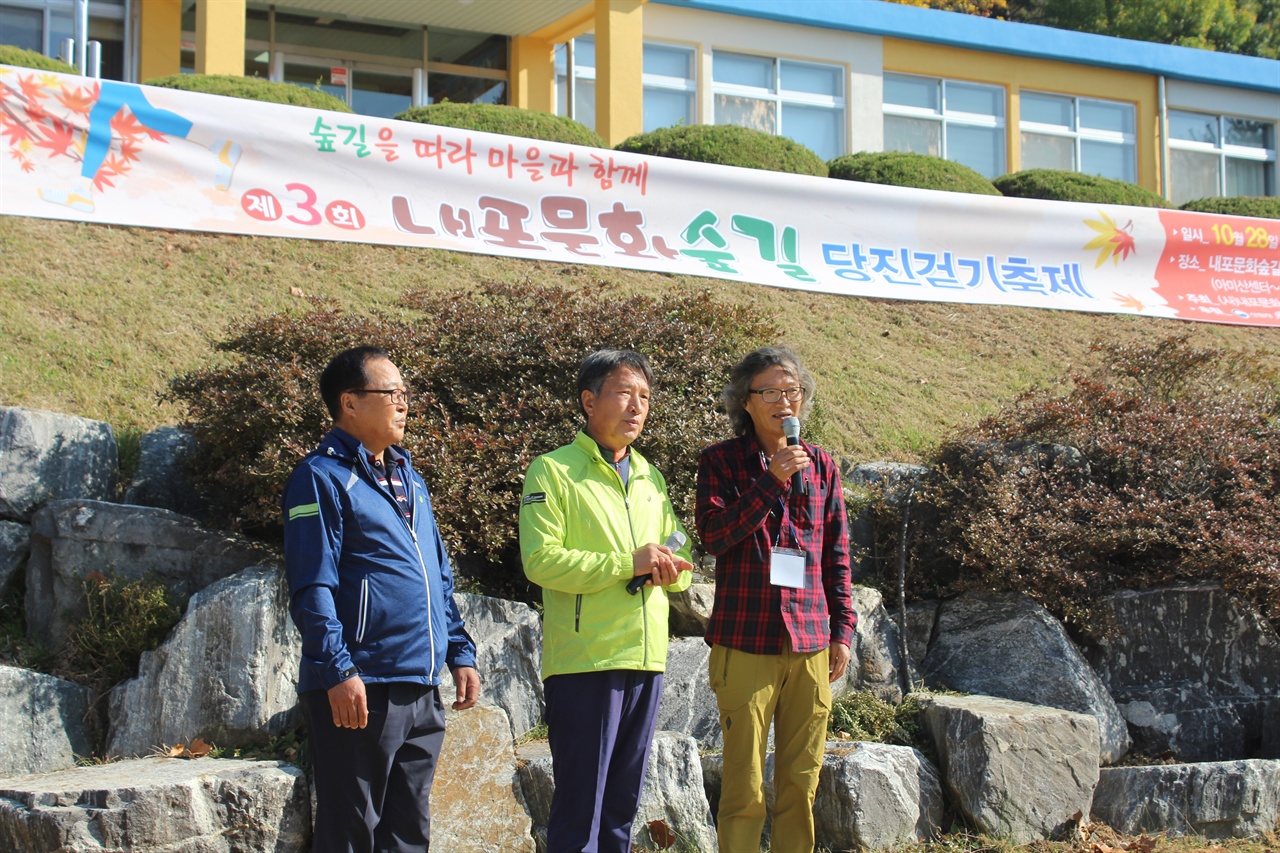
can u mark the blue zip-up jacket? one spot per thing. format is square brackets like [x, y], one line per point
[368, 588]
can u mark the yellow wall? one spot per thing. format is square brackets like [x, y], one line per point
[220, 37]
[619, 65]
[533, 74]
[160, 39]
[1016, 73]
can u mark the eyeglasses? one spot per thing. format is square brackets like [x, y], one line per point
[398, 396]
[773, 395]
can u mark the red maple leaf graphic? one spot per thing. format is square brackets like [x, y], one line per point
[15, 130]
[59, 136]
[102, 180]
[116, 166]
[1123, 238]
[127, 125]
[79, 101]
[28, 166]
[30, 87]
[129, 149]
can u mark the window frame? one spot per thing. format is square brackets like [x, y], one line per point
[946, 117]
[1078, 134]
[1224, 151]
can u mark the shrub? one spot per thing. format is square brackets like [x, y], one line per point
[905, 169]
[1057, 185]
[509, 121]
[252, 89]
[493, 373]
[862, 716]
[10, 55]
[727, 145]
[1156, 468]
[1263, 207]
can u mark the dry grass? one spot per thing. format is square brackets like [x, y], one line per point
[94, 321]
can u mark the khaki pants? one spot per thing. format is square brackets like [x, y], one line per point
[792, 691]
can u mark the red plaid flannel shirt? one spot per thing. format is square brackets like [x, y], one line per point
[740, 516]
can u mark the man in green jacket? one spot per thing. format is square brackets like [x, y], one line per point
[594, 516]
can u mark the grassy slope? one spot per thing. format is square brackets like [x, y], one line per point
[94, 320]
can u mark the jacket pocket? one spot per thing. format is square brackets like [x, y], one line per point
[362, 621]
[577, 613]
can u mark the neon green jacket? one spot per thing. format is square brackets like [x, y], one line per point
[577, 533]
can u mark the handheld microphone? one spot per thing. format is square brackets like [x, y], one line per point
[791, 429]
[675, 542]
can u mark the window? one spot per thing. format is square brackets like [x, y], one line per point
[1078, 135]
[803, 101]
[1211, 155]
[41, 25]
[964, 122]
[670, 88]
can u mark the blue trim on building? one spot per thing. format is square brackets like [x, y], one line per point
[953, 29]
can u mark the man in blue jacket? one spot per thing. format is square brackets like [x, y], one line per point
[371, 592]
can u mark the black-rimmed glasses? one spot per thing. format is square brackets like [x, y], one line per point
[398, 396]
[773, 395]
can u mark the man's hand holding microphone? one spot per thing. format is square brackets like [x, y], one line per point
[658, 564]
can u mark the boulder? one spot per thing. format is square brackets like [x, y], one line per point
[508, 637]
[159, 805]
[227, 673]
[1019, 771]
[72, 539]
[161, 479]
[672, 793]
[15, 542]
[688, 705]
[922, 618]
[1223, 799]
[1011, 647]
[42, 722]
[870, 796]
[476, 804]
[691, 609]
[877, 662]
[1196, 671]
[875, 796]
[46, 456]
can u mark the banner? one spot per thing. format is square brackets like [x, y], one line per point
[103, 151]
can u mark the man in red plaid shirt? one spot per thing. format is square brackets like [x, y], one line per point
[783, 620]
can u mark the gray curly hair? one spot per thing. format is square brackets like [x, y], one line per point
[734, 396]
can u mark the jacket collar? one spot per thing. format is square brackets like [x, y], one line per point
[340, 444]
[587, 444]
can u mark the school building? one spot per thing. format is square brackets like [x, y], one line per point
[838, 76]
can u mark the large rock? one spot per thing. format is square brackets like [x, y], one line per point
[691, 609]
[673, 793]
[1195, 671]
[161, 479]
[875, 796]
[508, 636]
[227, 673]
[870, 796]
[1015, 770]
[15, 541]
[476, 805]
[877, 659]
[159, 805]
[1009, 646]
[1227, 799]
[45, 456]
[72, 539]
[42, 722]
[688, 705]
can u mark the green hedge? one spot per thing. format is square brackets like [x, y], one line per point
[10, 55]
[1058, 185]
[905, 169]
[252, 89]
[509, 121]
[727, 145]
[1263, 207]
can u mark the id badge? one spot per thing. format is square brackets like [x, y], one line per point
[786, 568]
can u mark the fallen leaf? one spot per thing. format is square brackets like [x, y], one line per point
[176, 750]
[296, 291]
[198, 749]
[661, 834]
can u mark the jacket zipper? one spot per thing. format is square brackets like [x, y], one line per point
[644, 592]
[363, 621]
